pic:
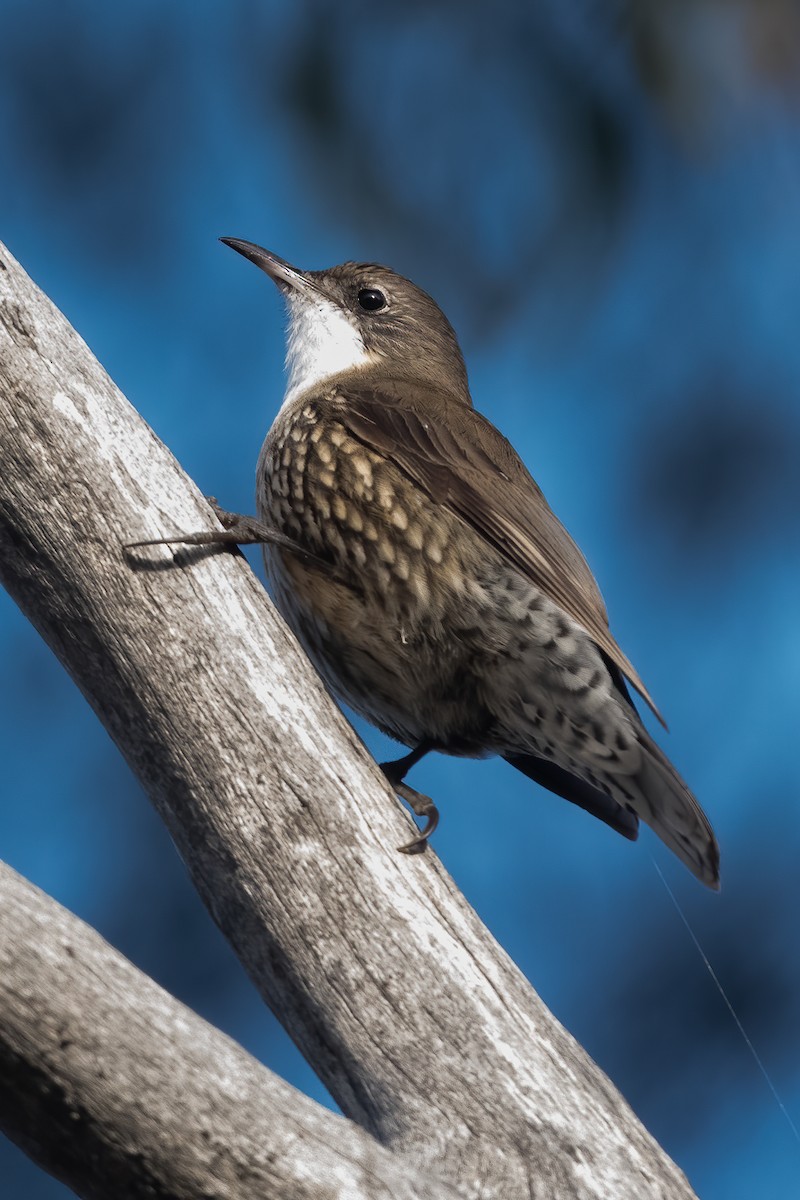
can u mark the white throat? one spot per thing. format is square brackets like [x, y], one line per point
[321, 342]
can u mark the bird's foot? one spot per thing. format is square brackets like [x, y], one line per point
[419, 803]
[238, 530]
[423, 806]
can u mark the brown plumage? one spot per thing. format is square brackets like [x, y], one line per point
[460, 460]
[454, 611]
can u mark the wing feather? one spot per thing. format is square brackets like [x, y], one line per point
[460, 460]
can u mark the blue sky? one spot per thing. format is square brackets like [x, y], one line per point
[610, 215]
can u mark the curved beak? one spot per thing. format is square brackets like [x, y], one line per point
[281, 272]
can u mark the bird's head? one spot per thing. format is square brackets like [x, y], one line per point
[361, 317]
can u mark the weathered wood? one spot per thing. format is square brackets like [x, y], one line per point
[423, 1030]
[120, 1091]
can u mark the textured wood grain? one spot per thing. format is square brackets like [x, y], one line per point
[121, 1091]
[423, 1030]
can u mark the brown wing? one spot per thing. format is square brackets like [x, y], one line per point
[459, 458]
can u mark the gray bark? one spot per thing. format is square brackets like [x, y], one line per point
[418, 1023]
[118, 1089]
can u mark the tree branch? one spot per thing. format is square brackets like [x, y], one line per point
[420, 1026]
[119, 1090]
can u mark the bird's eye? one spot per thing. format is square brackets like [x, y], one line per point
[371, 299]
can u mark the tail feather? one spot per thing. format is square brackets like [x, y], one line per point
[577, 791]
[664, 802]
[656, 794]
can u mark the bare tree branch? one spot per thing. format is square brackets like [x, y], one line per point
[423, 1030]
[121, 1091]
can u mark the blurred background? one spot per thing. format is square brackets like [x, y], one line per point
[605, 199]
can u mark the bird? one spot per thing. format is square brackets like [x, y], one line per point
[421, 568]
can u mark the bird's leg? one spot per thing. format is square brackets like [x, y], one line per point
[420, 804]
[238, 530]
